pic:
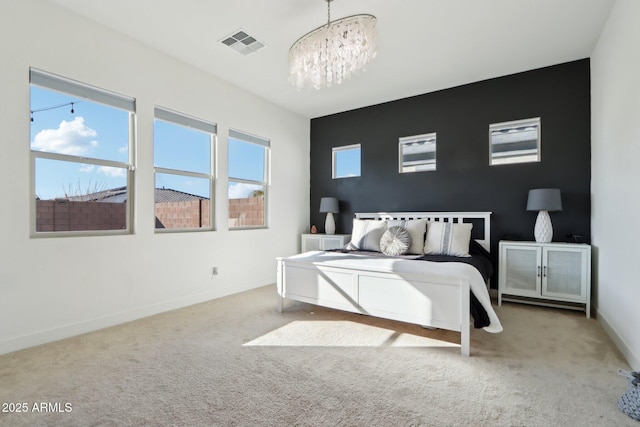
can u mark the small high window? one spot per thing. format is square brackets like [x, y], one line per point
[417, 153]
[514, 142]
[346, 161]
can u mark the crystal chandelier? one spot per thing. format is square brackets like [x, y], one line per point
[333, 52]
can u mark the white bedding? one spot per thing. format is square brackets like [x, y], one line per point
[434, 270]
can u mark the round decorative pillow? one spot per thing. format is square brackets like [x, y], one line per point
[395, 241]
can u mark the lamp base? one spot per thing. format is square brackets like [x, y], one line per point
[543, 231]
[330, 224]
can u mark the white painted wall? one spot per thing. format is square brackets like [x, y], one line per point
[57, 287]
[615, 79]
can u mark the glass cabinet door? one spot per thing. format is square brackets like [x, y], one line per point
[522, 270]
[332, 243]
[563, 274]
[311, 242]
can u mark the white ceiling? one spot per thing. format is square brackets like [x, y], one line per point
[423, 45]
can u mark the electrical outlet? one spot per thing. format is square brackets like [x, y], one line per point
[214, 271]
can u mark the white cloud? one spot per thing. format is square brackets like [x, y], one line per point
[73, 138]
[112, 172]
[241, 190]
[104, 170]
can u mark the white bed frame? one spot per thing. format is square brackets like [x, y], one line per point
[409, 297]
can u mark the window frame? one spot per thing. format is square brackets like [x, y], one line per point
[406, 140]
[94, 94]
[334, 157]
[266, 144]
[180, 119]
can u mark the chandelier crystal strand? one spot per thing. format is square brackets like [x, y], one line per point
[330, 54]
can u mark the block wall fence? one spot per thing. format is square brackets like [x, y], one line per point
[64, 215]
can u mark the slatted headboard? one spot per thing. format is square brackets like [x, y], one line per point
[481, 220]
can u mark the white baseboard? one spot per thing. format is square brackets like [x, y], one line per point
[66, 331]
[632, 359]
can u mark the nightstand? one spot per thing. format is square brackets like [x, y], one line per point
[548, 274]
[323, 242]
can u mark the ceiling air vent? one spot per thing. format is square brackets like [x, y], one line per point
[242, 42]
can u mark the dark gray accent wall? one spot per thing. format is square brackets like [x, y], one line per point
[464, 181]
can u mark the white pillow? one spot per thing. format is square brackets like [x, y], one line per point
[366, 234]
[395, 241]
[416, 229]
[448, 238]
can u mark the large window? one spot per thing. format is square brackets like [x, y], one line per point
[248, 176]
[81, 149]
[184, 178]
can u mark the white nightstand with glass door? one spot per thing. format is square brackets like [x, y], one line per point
[550, 274]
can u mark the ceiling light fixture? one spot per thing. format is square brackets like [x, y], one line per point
[333, 52]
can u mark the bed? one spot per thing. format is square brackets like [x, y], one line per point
[438, 291]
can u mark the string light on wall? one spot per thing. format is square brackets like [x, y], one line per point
[53, 107]
[333, 52]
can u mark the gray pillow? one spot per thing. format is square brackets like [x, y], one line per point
[395, 241]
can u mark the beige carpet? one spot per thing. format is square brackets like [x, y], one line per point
[237, 362]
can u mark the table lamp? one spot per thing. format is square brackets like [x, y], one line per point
[544, 200]
[329, 205]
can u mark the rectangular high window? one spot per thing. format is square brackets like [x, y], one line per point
[512, 142]
[417, 153]
[345, 161]
[248, 180]
[184, 171]
[82, 142]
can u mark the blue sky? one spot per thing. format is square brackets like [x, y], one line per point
[250, 165]
[347, 162]
[100, 132]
